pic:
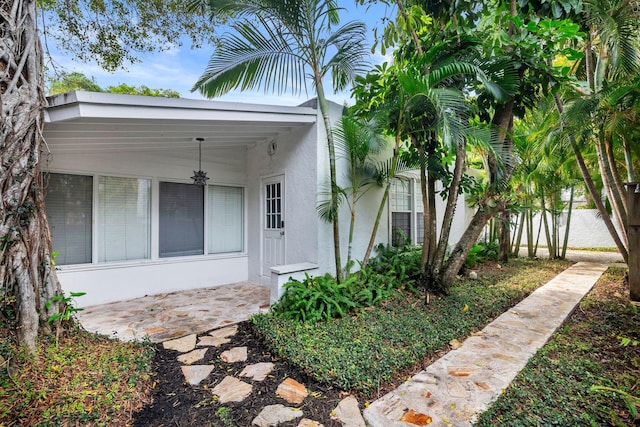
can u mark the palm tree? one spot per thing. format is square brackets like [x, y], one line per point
[359, 143]
[611, 56]
[286, 45]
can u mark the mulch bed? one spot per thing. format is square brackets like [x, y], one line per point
[176, 403]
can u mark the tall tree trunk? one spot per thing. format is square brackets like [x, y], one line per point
[628, 161]
[504, 226]
[565, 242]
[376, 224]
[324, 110]
[459, 253]
[392, 174]
[612, 194]
[26, 271]
[518, 236]
[426, 237]
[450, 209]
[593, 192]
[546, 226]
[615, 173]
[433, 220]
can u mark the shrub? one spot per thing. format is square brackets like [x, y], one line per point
[480, 253]
[322, 298]
[314, 299]
[403, 260]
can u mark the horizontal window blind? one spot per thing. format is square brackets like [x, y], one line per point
[181, 219]
[124, 219]
[226, 219]
[68, 204]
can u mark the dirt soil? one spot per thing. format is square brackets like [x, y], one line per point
[176, 403]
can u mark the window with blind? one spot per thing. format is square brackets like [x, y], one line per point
[181, 219]
[225, 212]
[124, 219]
[401, 206]
[68, 203]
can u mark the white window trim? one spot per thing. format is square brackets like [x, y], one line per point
[155, 225]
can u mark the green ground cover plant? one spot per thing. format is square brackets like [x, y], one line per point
[588, 374]
[323, 298]
[78, 379]
[370, 347]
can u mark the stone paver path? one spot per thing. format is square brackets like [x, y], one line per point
[450, 392]
[166, 316]
[462, 384]
[192, 348]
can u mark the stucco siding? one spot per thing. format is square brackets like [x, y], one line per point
[295, 158]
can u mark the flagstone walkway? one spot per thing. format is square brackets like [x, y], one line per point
[165, 316]
[463, 383]
[450, 392]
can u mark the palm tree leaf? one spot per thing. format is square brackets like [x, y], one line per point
[250, 59]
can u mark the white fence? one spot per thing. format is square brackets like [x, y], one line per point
[587, 230]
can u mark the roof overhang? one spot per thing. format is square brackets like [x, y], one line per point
[103, 122]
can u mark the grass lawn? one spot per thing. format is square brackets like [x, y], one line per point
[376, 348]
[589, 372]
[84, 379]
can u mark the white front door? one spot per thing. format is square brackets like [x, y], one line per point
[272, 223]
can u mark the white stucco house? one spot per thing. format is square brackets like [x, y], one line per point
[127, 220]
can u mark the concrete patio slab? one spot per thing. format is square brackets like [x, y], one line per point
[168, 316]
[464, 382]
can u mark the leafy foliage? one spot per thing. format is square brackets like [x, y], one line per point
[113, 33]
[482, 252]
[69, 81]
[83, 379]
[364, 350]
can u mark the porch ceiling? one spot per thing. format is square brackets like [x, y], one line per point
[92, 122]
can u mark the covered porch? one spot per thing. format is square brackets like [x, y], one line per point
[125, 217]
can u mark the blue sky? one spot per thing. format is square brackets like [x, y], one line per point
[179, 68]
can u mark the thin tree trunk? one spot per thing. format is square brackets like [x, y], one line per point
[612, 194]
[450, 209]
[26, 271]
[546, 226]
[530, 247]
[459, 253]
[565, 243]
[615, 173]
[324, 110]
[433, 224]
[504, 227]
[426, 213]
[593, 192]
[518, 236]
[628, 161]
[352, 224]
[374, 231]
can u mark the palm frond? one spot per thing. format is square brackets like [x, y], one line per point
[250, 59]
[329, 205]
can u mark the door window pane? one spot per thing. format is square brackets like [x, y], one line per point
[123, 219]
[226, 219]
[181, 219]
[68, 202]
[273, 211]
